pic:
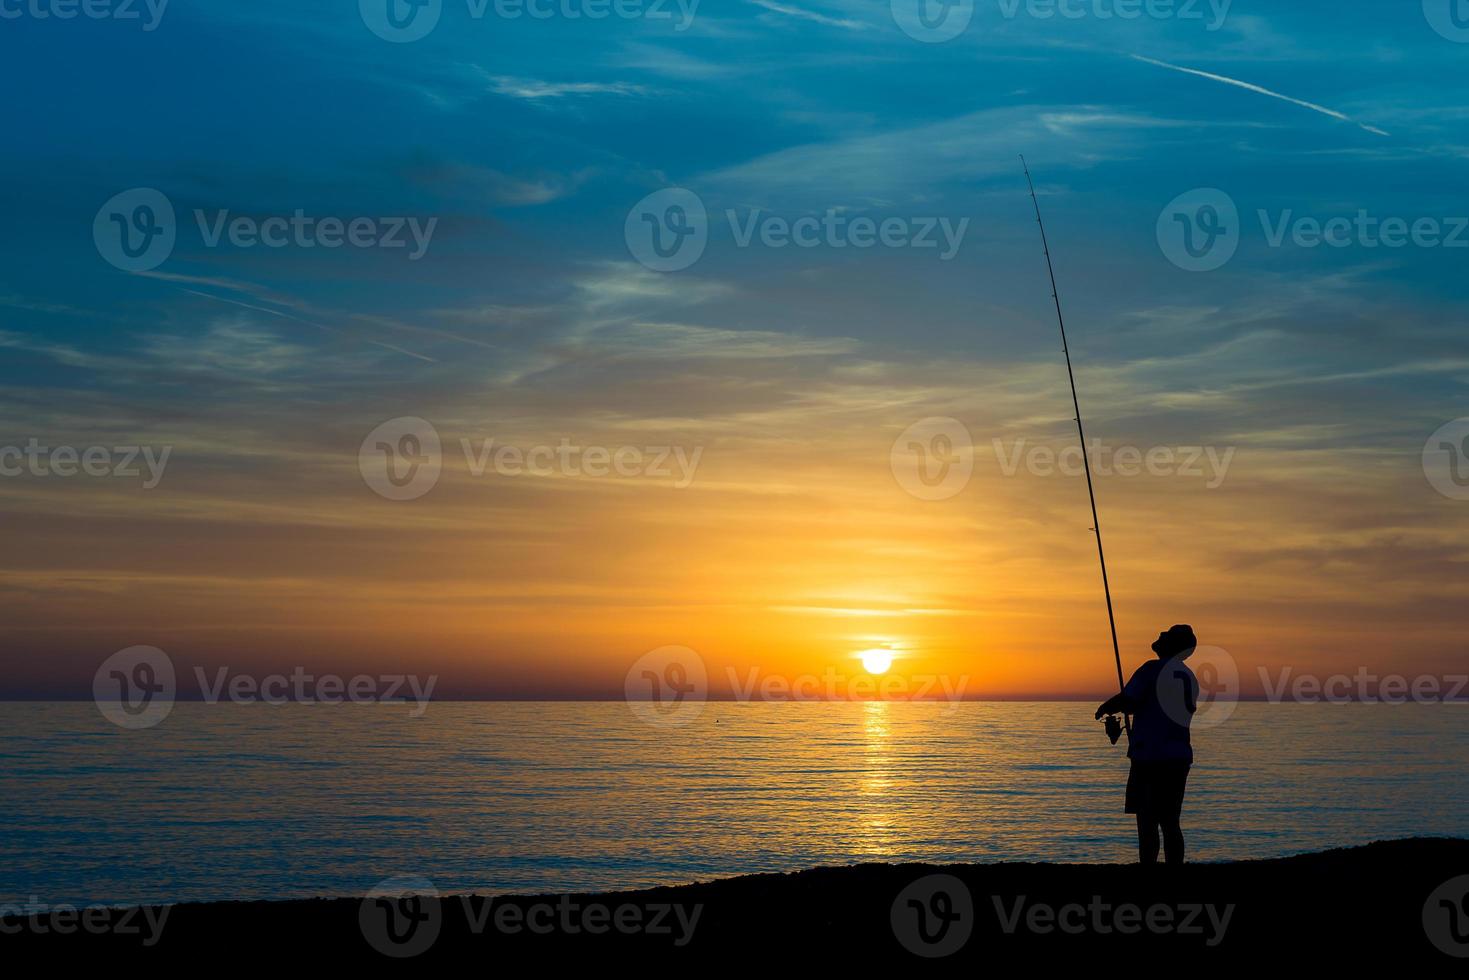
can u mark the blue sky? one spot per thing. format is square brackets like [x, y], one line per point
[528, 141]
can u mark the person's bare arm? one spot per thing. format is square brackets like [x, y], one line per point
[1117, 703]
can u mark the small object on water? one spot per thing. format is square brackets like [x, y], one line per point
[1114, 728]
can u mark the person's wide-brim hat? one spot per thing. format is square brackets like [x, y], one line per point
[1178, 641]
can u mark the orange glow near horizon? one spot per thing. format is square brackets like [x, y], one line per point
[793, 550]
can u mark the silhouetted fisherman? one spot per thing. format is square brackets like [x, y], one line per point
[1162, 697]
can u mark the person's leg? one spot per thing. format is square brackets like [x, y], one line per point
[1171, 813]
[1172, 839]
[1147, 838]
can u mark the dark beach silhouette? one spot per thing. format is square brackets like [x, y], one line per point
[1396, 903]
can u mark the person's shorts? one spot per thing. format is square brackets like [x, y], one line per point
[1157, 787]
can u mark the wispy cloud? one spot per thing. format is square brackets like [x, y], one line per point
[671, 63]
[35, 306]
[535, 89]
[485, 184]
[910, 161]
[1250, 87]
[680, 341]
[612, 284]
[811, 15]
[232, 346]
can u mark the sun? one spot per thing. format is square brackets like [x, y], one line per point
[877, 660]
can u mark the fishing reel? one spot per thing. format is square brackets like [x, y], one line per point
[1114, 728]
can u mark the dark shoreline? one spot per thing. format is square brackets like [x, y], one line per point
[1349, 907]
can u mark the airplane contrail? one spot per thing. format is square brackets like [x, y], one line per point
[1262, 91]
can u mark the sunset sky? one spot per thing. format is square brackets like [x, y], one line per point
[788, 372]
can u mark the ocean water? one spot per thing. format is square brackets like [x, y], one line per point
[261, 801]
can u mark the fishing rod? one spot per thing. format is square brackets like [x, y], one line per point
[1085, 462]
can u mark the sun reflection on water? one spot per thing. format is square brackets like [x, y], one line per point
[875, 786]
